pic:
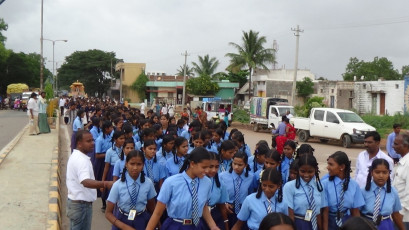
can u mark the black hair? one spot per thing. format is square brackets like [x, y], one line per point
[275, 155]
[127, 141]
[375, 164]
[239, 137]
[132, 154]
[341, 158]
[146, 132]
[216, 157]
[115, 136]
[232, 132]
[205, 133]
[293, 166]
[127, 128]
[220, 132]
[373, 134]
[80, 135]
[95, 122]
[197, 155]
[226, 145]
[180, 122]
[262, 149]
[223, 126]
[304, 149]
[178, 142]
[166, 139]
[274, 176]
[80, 112]
[118, 119]
[149, 143]
[396, 125]
[196, 130]
[358, 223]
[310, 160]
[292, 145]
[275, 219]
[198, 135]
[106, 125]
[245, 158]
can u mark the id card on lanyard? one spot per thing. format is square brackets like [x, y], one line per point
[132, 212]
[309, 212]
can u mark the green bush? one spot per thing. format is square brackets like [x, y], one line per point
[383, 124]
[241, 116]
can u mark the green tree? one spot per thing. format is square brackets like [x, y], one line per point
[305, 87]
[250, 54]
[202, 85]
[206, 65]
[92, 68]
[3, 27]
[240, 77]
[372, 71]
[189, 71]
[405, 71]
[139, 85]
[313, 102]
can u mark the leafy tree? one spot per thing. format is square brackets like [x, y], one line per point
[139, 85]
[3, 27]
[251, 54]
[92, 68]
[405, 71]
[206, 65]
[202, 85]
[189, 71]
[240, 77]
[372, 71]
[313, 102]
[305, 87]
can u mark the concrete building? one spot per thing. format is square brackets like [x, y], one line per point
[336, 94]
[129, 72]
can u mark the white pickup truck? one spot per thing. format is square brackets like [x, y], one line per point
[330, 123]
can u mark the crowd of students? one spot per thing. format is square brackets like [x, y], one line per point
[153, 171]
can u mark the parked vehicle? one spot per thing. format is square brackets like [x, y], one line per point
[25, 96]
[266, 113]
[216, 108]
[330, 123]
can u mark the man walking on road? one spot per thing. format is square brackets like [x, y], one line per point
[401, 175]
[81, 183]
[365, 158]
[32, 112]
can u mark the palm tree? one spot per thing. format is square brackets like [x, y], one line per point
[207, 66]
[189, 71]
[251, 54]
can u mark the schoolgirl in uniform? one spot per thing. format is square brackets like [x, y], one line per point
[218, 196]
[381, 199]
[147, 134]
[167, 150]
[102, 144]
[256, 161]
[268, 199]
[77, 125]
[174, 164]
[198, 139]
[287, 158]
[158, 133]
[181, 132]
[127, 130]
[154, 170]
[154, 118]
[304, 196]
[133, 195]
[113, 154]
[185, 195]
[208, 144]
[223, 126]
[118, 123]
[226, 152]
[95, 131]
[343, 194]
[217, 139]
[164, 121]
[238, 137]
[128, 146]
[143, 124]
[272, 159]
[239, 182]
[293, 170]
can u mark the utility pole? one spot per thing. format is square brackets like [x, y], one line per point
[184, 79]
[41, 58]
[297, 38]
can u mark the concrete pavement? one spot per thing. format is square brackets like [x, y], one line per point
[29, 184]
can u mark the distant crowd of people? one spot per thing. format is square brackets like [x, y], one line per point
[155, 171]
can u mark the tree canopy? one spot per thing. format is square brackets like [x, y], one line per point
[189, 71]
[372, 71]
[206, 66]
[92, 68]
[240, 77]
[139, 85]
[202, 85]
[250, 54]
[305, 87]
[3, 27]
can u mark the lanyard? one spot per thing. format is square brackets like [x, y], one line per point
[188, 187]
[308, 199]
[275, 206]
[133, 202]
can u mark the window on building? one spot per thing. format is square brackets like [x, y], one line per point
[350, 103]
[364, 86]
[351, 93]
[397, 86]
[340, 93]
[322, 90]
[332, 90]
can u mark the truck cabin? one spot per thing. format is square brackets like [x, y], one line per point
[275, 101]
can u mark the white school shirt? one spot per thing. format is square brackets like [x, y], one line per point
[79, 168]
[401, 184]
[363, 163]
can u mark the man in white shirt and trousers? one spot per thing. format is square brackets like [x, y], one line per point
[32, 112]
[401, 174]
[365, 158]
[81, 183]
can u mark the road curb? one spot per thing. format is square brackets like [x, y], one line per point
[54, 221]
[10, 146]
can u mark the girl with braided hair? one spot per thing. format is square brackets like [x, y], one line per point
[133, 195]
[343, 194]
[268, 199]
[381, 199]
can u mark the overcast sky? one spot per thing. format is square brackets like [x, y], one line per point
[157, 32]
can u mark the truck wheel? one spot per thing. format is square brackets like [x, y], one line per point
[303, 135]
[255, 127]
[346, 141]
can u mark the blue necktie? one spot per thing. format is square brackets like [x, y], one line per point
[237, 195]
[180, 162]
[150, 170]
[269, 209]
[313, 207]
[340, 207]
[377, 206]
[134, 195]
[195, 204]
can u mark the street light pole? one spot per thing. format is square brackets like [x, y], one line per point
[41, 55]
[54, 76]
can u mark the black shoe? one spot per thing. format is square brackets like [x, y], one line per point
[103, 209]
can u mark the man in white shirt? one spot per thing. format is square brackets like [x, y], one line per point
[62, 104]
[32, 112]
[401, 175]
[81, 183]
[365, 158]
[289, 115]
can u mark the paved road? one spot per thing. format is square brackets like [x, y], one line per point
[322, 151]
[11, 122]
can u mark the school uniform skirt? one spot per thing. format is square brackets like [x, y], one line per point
[139, 222]
[217, 217]
[99, 165]
[386, 223]
[170, 224]
[300, 223]
[109, 177]
[332, 220]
